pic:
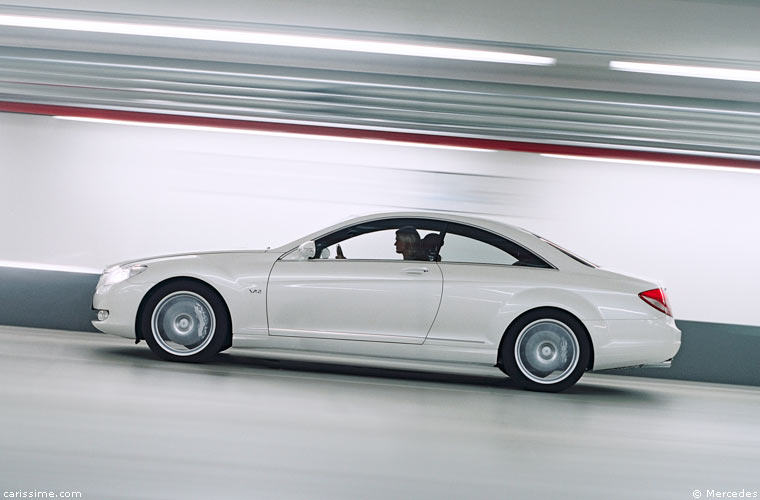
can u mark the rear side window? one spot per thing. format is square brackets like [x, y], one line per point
[465, 244]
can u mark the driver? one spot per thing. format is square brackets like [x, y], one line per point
[409, 244]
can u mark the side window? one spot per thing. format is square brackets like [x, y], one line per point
[458, 248]
[381, 245]
[465, 244]
[389, 239]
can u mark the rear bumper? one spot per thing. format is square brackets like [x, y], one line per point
[624, 343]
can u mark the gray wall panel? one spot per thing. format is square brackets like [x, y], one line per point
[711, 352]
[47, 299]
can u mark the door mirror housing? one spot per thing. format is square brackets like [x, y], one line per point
[307, 250]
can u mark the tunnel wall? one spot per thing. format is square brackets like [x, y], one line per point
[78, 196]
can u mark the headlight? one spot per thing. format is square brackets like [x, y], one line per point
[118, 274]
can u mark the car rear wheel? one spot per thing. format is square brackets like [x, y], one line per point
[546, 350]
[185, 321]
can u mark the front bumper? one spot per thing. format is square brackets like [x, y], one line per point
[122, 301]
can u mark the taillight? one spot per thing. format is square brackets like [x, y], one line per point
[657, 299]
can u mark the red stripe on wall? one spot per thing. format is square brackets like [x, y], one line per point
[327, 131]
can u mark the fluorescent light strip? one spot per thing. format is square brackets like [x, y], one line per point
[740, 75]
[302, 41]
[203, 128]
[658, 163]
[49, 267]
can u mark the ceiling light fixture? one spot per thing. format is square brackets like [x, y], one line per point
[282, 40]
[741, 75]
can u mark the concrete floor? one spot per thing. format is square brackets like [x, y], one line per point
[97, 414]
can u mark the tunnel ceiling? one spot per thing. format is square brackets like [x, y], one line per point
[578, 101]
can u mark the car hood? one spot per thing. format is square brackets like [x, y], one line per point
[177, 256]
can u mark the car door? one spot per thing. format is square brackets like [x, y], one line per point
[363, 290]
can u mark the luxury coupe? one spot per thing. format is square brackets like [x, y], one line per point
[423, 289]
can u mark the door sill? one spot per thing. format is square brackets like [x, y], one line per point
[360, 337]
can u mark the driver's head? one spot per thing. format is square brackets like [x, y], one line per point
[407, 240]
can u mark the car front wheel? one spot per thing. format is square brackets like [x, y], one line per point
[546, 350]
[185, 321]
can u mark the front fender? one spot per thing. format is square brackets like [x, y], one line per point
[240, 278]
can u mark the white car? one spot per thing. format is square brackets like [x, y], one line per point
[414, 288]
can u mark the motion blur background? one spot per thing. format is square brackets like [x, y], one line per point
[117, 146]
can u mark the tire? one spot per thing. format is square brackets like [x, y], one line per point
[185, 321]
[546, 350]
[227, 344]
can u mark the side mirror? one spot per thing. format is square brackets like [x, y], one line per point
[307, 250]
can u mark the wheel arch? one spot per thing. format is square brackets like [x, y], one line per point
[547, 309]
[149, 293]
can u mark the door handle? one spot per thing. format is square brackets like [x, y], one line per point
[415, 270]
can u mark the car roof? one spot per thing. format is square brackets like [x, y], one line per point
[499, 227]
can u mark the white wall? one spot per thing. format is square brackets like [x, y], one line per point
[89, 194]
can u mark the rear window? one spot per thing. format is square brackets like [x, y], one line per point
[567, 252]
